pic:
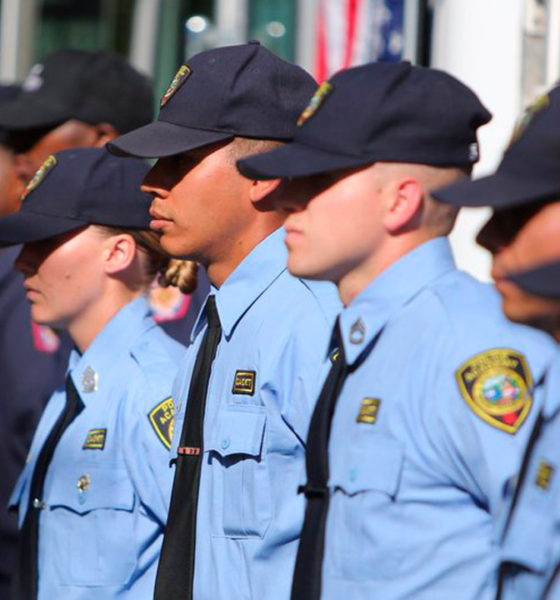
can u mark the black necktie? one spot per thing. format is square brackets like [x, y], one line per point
[175, 574]
[25, 578]
[307, 574]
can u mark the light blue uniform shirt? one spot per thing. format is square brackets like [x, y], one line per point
[531, 543]
[265, 378]
[419, 449]
[107, 485]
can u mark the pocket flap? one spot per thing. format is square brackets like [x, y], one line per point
[376, 463]
[238, 432]
[89, 487]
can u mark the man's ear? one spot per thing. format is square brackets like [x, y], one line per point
[119, 253]
[405, 205]
[104, 132]
[261, 188]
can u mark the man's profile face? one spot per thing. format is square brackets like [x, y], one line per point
[9, 201]
[200, 202]
[519, 239]
[335, 222]
[31, 147]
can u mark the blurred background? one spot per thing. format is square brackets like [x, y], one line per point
[508, 51]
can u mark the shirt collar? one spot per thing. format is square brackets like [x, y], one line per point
[369, 312]
[253, 276]
[90, 369]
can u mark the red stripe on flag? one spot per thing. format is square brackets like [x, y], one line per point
[321, 70]
[351, 16]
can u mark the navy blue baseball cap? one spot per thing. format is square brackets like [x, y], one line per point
[530, 168]
[75, 188]
[244, 91]
[541, 281]
[93, 87]
[391, 112]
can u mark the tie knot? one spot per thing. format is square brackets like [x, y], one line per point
[212, 313]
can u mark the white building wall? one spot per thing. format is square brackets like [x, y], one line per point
[481, 42]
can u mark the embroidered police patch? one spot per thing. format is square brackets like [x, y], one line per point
[244, 383]
[318, 98]
[95, 439]
[369, 411]
[180, 77]
[49, 164]
[544, 475]
[162, 419]
[497, 385]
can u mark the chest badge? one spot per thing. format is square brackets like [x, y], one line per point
[369, 411]
[90, 379]
[95, 439]
[497, 386]
[357, 331]
[83, 485]
[244, 383]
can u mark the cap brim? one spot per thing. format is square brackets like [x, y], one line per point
[25, 226]
[296, 160]
[499, 191]
[160, 139]
[543, 281]
[30, 112]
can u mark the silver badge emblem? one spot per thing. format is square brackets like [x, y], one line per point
[89, 380]
[357, 332]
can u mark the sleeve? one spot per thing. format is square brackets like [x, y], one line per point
[485, 408]
[148, 433]
[297, 369]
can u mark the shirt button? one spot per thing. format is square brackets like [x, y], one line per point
[39, 504]
[225, 443]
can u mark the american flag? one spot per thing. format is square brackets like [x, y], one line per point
[353, 32]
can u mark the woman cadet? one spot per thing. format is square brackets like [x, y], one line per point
[91, 498]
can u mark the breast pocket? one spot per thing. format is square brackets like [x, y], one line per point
[364, 534]
[237, 459]
[90, 512]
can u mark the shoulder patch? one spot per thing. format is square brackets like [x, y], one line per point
[180, 77]
[95, 439]
[498, 386]
[318, 98]
[48, 165]
[244, 383]
[162, 419]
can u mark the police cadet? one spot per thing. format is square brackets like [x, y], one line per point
[522, 234]
[423, 416]
[91, 498]
[72, 98]
[241, 417]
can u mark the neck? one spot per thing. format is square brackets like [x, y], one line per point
[354, 282]
[84, 328]
[220, 267]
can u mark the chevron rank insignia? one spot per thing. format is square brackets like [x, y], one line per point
[162, 419]
[369, 410]
[497, 385]
[95, 439]
[180, 77]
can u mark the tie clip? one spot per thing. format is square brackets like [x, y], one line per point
[188, 450]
